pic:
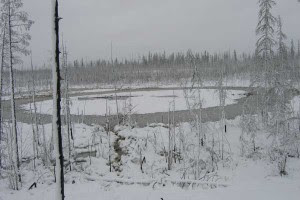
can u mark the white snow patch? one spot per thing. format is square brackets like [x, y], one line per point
[142, 102]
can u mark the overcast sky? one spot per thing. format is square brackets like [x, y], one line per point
[138, 26]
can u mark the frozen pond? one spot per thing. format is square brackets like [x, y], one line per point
[142, 102]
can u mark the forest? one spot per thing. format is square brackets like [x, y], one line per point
[160, 125]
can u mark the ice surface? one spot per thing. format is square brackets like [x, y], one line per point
[142, 102]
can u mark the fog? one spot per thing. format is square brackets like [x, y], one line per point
[136, 27]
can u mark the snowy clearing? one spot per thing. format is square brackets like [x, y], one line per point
[142, 101]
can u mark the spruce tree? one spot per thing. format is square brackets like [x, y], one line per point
[282, 49]
[265, 29]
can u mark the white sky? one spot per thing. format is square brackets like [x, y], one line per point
[138, 26]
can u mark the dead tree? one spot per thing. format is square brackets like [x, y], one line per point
[36, 139]
[34, 146]
[56, 104]
[107, 129]
[67, 106]
[1, 88]
[170, 148]
[16, 161]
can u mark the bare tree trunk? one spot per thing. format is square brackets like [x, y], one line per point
[109, 144]
[33, 133]
[56, 106]
[67, 107]
[16, 162]
[170, 142]
[174, 130]
[1, 87]
[130, 109]
[222, 106]
[117, 106]
[200, 132]
[34, 109]
[46, 156]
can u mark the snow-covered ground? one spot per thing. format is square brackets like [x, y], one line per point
[243, 178]
[142, 101]
[275, 188]
[22, 91]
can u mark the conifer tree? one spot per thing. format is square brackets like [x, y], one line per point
[282, 49]
[265, 29]
[17, 25]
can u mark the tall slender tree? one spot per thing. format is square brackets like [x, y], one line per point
[298, 53]
[35, 120]
[68, 124]
[56, 105]
[292, 49]
[265, 29]
[1, 83]
[264, 49]
[17, 25]
[282, 49]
